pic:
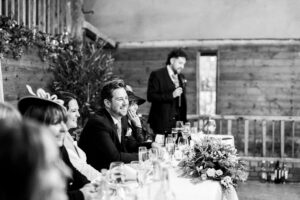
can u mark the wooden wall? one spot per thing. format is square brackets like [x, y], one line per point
[252, 79]
[17, 73]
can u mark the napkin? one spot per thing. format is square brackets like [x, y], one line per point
[130, 173]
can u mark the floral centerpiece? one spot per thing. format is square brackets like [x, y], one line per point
[211, 159]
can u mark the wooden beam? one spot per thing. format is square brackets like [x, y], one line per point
[33, 9]
[244, 117]
[1, 85]
[11, 9]
[101, 35]
[197, 43]
[51, 17]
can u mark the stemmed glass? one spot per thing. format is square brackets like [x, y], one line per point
[175, 134]
[182, 143]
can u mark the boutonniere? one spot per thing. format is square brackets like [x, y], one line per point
[129, 132]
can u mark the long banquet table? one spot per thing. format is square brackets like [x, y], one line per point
[185, 189]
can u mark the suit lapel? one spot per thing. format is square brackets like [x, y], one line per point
[112, 124]
[168, 79]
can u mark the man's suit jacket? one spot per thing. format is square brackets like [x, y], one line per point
[165, 110]
[100, 141]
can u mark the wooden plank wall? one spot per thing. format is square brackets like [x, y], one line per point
[253, 79]
[44, 15]
[135, 66]
[259, 80]
[17, 73]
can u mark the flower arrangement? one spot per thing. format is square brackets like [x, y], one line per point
[211, 159]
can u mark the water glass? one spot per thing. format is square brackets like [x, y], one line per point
[143, 154]
[116, 171]
[170, 146]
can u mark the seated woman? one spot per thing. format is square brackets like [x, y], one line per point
[76, 155]
[136, 134]
[49, 111]
[27, 154]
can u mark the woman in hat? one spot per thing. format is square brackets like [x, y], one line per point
[76, 154]
[49, 110]
[136, 135]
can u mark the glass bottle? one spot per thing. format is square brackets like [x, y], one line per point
[263, 171]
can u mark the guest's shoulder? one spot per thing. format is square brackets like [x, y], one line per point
[160, 70]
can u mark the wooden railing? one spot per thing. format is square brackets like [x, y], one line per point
[273, 136]
[50, 16]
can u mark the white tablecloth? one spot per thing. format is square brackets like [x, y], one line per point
[184, 189]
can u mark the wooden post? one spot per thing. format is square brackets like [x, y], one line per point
[282, 138]
[42, 15]
[273, 137]
[6, 8]
[293, 139]
[22, 12]
[1, 8]
[77, 19]
[264, 137]
[1, 85]
[246, 137]
[229, 127]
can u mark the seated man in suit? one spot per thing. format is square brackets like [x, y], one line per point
[102, 138]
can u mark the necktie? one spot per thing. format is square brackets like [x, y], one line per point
[175, 80]
[119, 130]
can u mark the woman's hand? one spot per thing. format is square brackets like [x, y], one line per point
[134, 118]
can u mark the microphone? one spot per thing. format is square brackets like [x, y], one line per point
[183, 83]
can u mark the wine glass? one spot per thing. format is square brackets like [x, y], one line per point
[179, 125]
[153, 153]
[116, 171]
[182, 143]
[175, 134]
[143, 154]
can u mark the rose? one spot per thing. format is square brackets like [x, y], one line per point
[203, 177]
[211, 172]
[219, 172]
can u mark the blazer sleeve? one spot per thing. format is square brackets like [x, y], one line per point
[154, 91]
[75, 195]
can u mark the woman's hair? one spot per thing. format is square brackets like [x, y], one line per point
[22, 157]
[66, 97]
[46, 113]
[8, 112]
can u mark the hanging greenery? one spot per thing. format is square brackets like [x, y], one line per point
[14, 38]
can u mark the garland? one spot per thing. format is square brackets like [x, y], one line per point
[14, 38]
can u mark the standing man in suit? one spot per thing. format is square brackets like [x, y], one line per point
[166, 92]
[102, 138]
